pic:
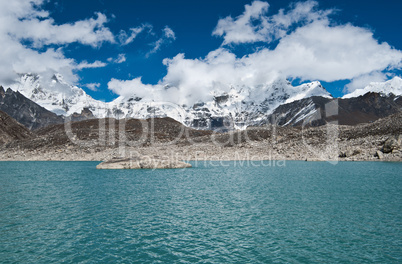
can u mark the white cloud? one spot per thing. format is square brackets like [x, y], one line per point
[93, 86]
[15, 58]
[254, 25]
[310, 47]
[300, 12]
[120, 59]
[44, 31]
[22, 20]
[328, 53]
[126, 39]
[87, 65]
[362, 81]
[130, 87]
[242, 29]
[22, 9]
[167, 37]
[168, 33]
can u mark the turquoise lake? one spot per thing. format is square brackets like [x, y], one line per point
[303, 212]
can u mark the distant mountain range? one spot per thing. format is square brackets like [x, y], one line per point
[242, 105]
[35, 106]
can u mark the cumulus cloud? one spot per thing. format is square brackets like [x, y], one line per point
[93, 86]
[242, 29]
[328, 53]
[44, 31]
[15, 59]
[309, 46]
[167, 37]
[254, 25]
[25, 22]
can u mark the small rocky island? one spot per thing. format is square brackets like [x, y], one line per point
[147, 162]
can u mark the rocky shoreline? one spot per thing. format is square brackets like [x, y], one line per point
[202, 154]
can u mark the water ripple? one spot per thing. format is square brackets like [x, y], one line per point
[68, 212]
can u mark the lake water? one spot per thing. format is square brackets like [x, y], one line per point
[304, 212]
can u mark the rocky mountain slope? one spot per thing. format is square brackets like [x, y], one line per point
[344, 111]
[25, 111]
[11, 130]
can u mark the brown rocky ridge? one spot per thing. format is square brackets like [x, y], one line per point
[103, 139]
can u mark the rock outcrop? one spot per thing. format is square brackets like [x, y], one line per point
[146, 162]
[84, 115]
[392, 143]
[379, 154]
[349, 153]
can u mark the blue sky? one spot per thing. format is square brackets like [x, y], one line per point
[108, 63]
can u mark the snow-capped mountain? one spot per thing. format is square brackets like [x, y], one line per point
[240, 107]
[244, 106]
[393, 86]
[58, 97]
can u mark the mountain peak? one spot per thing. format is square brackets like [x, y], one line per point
[393, 86]
[307, 90]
